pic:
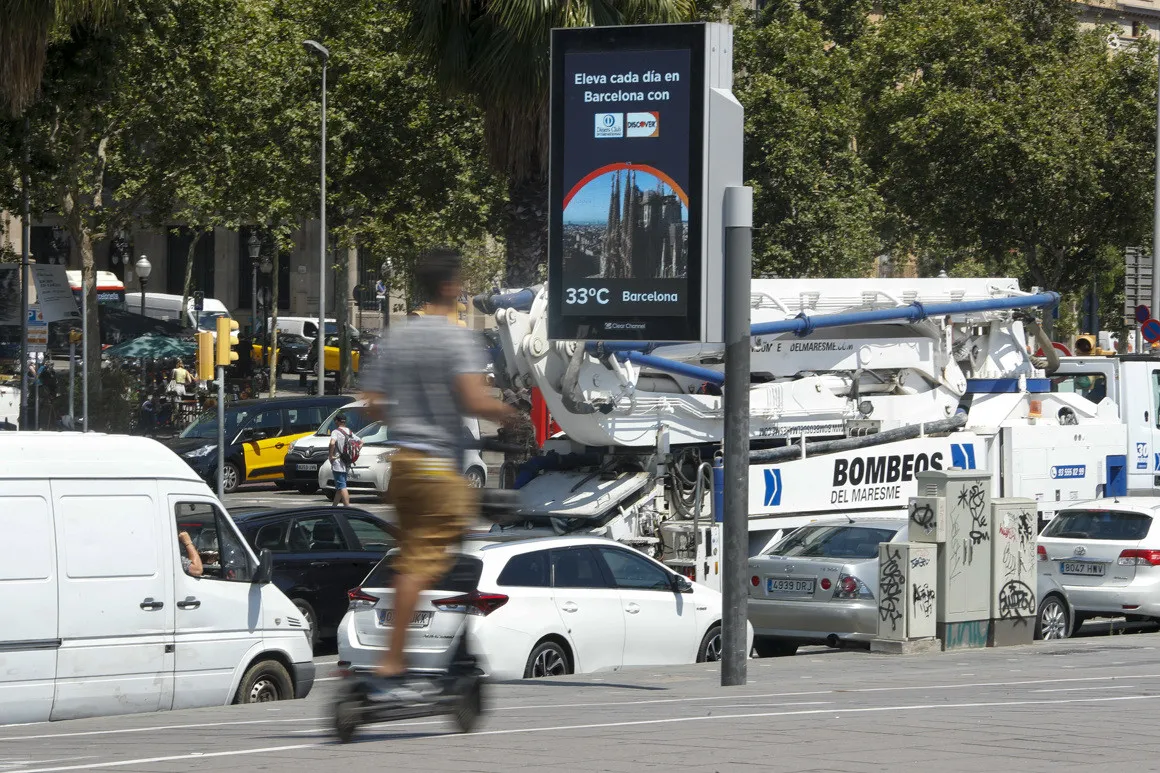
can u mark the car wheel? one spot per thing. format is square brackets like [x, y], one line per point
[266, 681]
[231, 478]
[283, 367]
[547, 659]
[767, 647]
[308, 488]
[710, 649]
[474, 477]
[1052, 622]
[309, 620]
[281, 485]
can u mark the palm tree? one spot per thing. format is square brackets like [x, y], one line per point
[25, 29]
[498, 52]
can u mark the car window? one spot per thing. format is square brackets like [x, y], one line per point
[304, 419]
[223, 556]
[356, 419]
[576, 568]
[636, 572]
[527, 570]
[315, 533]
[1093, 386]
[268, 421]
[463, 577]
[374, 433]
[837, 541]
[1099, 525]
[370, 533]
[271, 536]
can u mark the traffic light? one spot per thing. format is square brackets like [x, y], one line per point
[227, 339]
[205, 356]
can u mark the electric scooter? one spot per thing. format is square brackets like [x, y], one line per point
[457, 690]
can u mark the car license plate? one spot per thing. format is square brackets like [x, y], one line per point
[789, 585]
[418, 620]
[1088, 568]
[308, 467]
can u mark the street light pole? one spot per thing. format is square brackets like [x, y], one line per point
[254, 246]
[323, 53]
[144, 269]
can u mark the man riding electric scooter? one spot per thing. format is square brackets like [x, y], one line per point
[429, 374]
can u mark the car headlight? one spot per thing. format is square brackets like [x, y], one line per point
[290, 447]
[200, 452]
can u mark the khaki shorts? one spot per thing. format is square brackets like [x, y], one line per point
[434, 507]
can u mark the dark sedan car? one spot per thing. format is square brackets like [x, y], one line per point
[319, 554]
[293, 352]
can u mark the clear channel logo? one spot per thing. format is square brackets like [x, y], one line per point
[609, 125]
[643, 125]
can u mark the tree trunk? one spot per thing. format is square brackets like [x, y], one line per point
[525, 219]
[92, 345]
[274, 326]
[189, 275]
[342, 314]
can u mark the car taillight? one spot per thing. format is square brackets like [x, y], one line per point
[474, 603]
[690, 572]
[755, 581]
[850, 587]
[360, 599]
[1041, 553]
[826, 584]
[1140, 558]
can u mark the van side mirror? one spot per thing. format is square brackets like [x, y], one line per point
[265, 570]
[681, 584]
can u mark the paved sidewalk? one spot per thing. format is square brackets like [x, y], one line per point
[1074, 705]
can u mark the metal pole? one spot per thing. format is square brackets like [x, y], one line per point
[735, 524]
[254, 297]
[36, 402]
[26, 245]
[84, 354]
[1155, 304]
[322, 252]
[72, 380]
[221, 426]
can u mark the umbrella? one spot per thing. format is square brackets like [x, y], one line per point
[154, 346]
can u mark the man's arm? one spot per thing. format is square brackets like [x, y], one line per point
[195, 568]
[474, 400]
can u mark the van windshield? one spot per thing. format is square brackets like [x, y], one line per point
[207, 320]
[356, 419]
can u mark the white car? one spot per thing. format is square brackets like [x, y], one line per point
[542, 607]
[372, 471]
[1100, 558]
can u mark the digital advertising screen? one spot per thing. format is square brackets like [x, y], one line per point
[626, 179]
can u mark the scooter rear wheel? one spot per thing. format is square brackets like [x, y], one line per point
[469, 708]
[347, 711]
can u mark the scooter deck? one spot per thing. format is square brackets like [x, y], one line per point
[461, 699]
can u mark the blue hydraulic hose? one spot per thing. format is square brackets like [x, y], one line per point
[675, 367]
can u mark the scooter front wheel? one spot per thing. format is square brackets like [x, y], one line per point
[470, 707]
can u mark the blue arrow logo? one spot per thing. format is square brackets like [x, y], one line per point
[772, 488]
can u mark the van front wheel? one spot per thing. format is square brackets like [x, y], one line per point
[265, 681]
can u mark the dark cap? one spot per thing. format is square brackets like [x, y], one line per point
[341, 417]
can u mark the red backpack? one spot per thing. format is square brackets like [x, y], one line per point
[351, 448]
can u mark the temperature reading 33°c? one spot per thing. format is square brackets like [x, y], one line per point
[583, 295]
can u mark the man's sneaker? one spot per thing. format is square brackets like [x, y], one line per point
[392, 689]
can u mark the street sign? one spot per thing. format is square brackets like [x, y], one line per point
[54, 295]
[645, 137]
[1143, 314]
[1150, 330]
[198, 300]
[37, 330]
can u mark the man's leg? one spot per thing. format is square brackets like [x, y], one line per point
[407, 590]
[345, 494]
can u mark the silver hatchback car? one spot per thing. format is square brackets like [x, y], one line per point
[817, 585]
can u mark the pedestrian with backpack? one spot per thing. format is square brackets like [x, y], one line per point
[344, 452]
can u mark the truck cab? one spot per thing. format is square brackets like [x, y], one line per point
[1127, 387]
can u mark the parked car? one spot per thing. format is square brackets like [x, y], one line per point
[333, 354]
[542, 607]
[307, 327]
[293, 352]
[817, 584]
[306, 454]
[372, 471]
[1100, 558]
[257, 433]
[319, 553]
[101, 615]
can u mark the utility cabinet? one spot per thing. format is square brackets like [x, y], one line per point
[907, 583]
[1013, 571]
[964, 559]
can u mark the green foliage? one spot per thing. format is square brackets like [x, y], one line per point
[815, 204]
[999, 128]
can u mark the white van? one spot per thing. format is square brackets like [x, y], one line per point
[307, 327]
[165, 306]
[99, 613]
